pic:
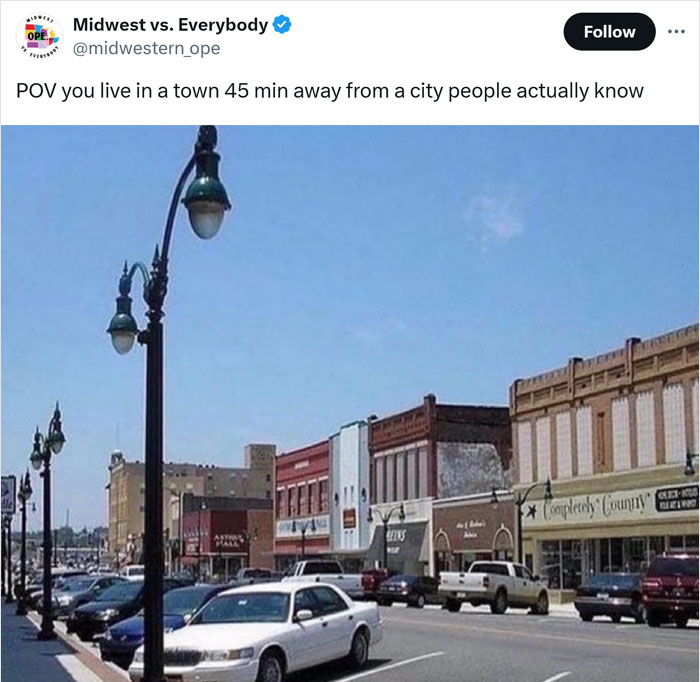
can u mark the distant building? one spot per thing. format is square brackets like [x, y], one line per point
[126, 489]
[350, 495]
[220, 535]
[301, 503]
[433, 451]
[612, 433]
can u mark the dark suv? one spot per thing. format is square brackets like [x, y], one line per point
[670, 589]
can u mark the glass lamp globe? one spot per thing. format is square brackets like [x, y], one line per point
[122, 329]
[56, 441]
[36, 459]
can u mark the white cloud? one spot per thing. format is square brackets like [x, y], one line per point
[494, 219]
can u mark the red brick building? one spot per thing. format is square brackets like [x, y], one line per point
[301, 503]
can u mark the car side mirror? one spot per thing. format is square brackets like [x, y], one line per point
[303, 614]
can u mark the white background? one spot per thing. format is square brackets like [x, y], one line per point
[369, 43]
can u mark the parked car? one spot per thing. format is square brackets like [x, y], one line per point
[414, 590]
[276, 628]
[372, 578]
[254, 574]
[80, 590]
[500, 584]
[670, 589]
[133, 572]
[116, 603]
[35, 589]
[123, 638]
[327, 571]
[611, 594]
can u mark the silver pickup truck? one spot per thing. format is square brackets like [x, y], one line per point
[500, 584]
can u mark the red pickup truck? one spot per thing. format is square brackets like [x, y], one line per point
[670, 589]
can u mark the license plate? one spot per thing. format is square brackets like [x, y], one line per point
[602, 595]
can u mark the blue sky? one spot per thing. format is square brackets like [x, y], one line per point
[361, 268]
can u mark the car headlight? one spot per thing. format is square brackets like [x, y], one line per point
[108, 613]
[227, 654]
[138, 656]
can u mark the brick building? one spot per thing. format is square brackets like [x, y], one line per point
[430, 452]
[302, 503]
[612, 433]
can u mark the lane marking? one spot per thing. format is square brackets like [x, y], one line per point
[398, 664]
[538, 635]
[554, 678]
[78, 671]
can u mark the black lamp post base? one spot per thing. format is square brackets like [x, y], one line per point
[9, 599]
[21, 609]
[46, 635]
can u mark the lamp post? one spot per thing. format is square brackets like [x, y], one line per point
[206, 201]
[303, 527]
[8, 558]
[3, 548]
[44, 448]
[519, 502]
[689, 469]
[202, 507]
[385, 518]
[24, 494]
[248, 536]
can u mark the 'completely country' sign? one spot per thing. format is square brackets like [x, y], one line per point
[639, 504]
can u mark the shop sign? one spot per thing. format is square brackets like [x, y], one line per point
[284, 527]
[349, 518]
[9, 494]
[680, 498]
[230, 541]
[471, 528]
[640, 504]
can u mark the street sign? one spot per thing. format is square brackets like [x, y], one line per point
[9, 494]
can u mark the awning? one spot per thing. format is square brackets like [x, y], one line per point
[407, 544]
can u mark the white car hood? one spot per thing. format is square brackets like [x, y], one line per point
[223, 635]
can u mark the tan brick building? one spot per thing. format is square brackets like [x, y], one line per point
[612, 433]
[126, 490]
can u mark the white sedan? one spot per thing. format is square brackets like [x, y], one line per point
[259, 633]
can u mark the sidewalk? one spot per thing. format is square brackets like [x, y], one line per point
[26, 659]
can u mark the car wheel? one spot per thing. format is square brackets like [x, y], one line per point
[640, 616]
[270, 668]
[681, 621]
[542, 606]
[653, 619]
[359, 650]
[420, 601]
[500, 603]
[586, 617]
[616, 618]
[453, 606]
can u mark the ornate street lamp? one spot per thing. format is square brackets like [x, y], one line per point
[385, 518]
[689, 469]
[24, 495]
[519, 502]
[7, 526]
[303, 527]
[202, 507]
[206, 202]
[44, 448]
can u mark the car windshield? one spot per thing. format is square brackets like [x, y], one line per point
[245, 607]
[121, 592]
[673, 566]
[403, 578]
[624, 580]
[77, 585]
[183, 602]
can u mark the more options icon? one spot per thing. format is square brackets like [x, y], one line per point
[609, 31]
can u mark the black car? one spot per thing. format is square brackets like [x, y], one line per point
[611, 594]
[78, 591]
[122, 639]
[116, 603]
[414, 590]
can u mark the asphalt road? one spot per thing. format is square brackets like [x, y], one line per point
[437, 646]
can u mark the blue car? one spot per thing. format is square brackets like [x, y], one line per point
[123, 638]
